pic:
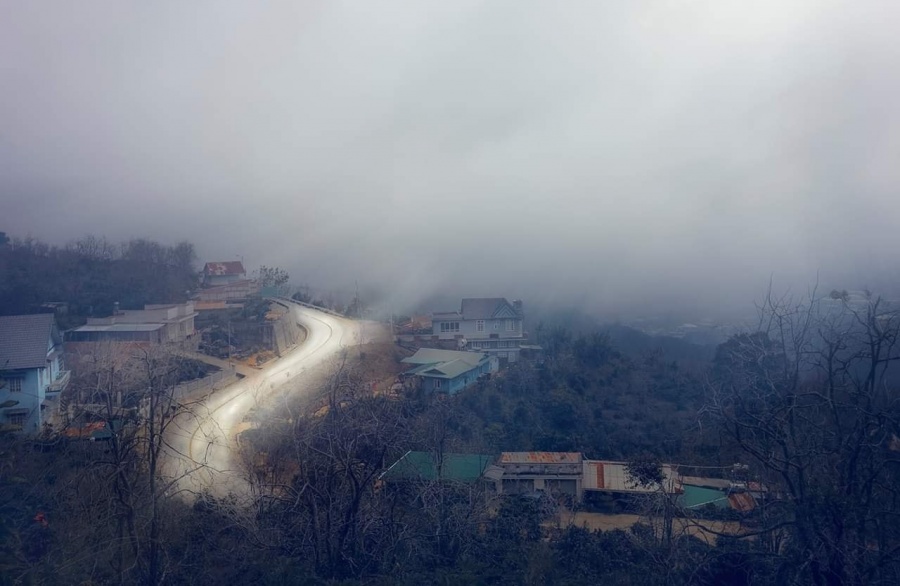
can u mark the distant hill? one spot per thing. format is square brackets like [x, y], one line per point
[636, 343]
[697, 350]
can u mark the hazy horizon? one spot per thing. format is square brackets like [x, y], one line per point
[619, 157]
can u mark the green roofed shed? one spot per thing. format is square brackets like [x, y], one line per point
[424, 466]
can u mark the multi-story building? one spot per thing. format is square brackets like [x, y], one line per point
[223, 273]
[32, 371]
[491, 325]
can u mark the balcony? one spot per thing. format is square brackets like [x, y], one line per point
[61, 382]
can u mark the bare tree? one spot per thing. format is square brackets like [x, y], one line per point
[130, 389]
[811, 398]
[320, 502]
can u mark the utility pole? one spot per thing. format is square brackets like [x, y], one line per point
[362, 333]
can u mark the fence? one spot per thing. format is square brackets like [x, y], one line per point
[207, 382]
[286, 301]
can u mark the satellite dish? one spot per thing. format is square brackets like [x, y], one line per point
[461, 343]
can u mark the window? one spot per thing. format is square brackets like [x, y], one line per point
[449, 326]
[15, 385]
[511, 325]
[18, 418]
[479, 325]
[437, 384]
[496, 325]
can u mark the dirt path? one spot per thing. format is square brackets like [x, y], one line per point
[702, 529]
[221, 363]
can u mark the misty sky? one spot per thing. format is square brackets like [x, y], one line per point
[609, 154]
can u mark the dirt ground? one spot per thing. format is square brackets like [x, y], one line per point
[380, 364]
[608, 522]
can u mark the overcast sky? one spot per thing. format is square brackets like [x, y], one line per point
[605, 154]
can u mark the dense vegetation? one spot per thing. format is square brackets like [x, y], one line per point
[586, 396]
[325, 518]
[807, 401]
[91, 274]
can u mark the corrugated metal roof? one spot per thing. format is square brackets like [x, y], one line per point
[24, 340]
[436, 355]
[718, 483]
[423, 466]
[451, 369]
[446, 364]
[231, 267]
[742, 501]
[614, 477]
[698, 496]
[540, 458]
[446, 315]
[418, 369]
[119, 328]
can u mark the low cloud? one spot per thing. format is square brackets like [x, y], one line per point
[617, 156]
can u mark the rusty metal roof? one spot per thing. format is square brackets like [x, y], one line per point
[540, 458]
[230, 267]
[614, 477]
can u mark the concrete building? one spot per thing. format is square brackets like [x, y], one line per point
[155, 324]
[32, 371]
[492, 325]
[558, 473]
[570, 474]
[449, 371]
[223, 273]
[229, 292]
[606, 476]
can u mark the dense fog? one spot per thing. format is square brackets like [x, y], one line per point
[621, 157]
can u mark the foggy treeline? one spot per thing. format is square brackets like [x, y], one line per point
[91, 274]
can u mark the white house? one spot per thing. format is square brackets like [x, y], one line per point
[492, 325]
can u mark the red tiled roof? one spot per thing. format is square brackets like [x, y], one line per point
[541, 457]
[742, 501]
[231, 267]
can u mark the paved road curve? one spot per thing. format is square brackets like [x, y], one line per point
[201, 457]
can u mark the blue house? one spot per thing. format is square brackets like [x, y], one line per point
[449, 371]
[32, 374]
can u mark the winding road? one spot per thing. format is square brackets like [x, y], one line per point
[201, 448]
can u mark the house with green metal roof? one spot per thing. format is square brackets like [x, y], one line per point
[449, 371]
[429, 466]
